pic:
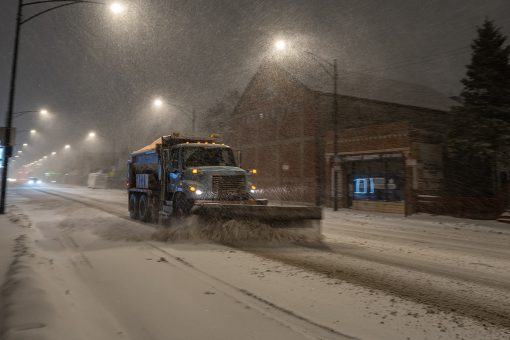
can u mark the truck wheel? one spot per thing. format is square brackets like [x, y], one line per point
[182, 206]
[144, 209]
[133, 206]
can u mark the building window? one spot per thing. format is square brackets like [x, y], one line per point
[376, 180]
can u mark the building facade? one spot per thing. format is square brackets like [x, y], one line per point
[390, 134]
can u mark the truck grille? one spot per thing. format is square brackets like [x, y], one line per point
[228, 185]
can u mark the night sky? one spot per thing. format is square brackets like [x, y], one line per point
[97, 71]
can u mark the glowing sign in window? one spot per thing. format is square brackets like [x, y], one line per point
[362, 185]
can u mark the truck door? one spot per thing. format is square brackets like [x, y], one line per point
[174, 173]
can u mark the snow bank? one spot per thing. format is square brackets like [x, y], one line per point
[24, 309]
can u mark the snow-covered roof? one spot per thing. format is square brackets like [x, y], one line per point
[315, 77]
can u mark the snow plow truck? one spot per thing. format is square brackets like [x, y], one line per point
[178, 176]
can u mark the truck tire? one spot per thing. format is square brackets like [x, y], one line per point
[133, 206]
[144, 209]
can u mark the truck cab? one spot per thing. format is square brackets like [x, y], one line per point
[205, 172]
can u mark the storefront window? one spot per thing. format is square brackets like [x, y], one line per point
[377, 180]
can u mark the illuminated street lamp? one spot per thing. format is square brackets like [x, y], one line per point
[31, 131]
[280, 45]
[191, 114]
[115, 8]
[42, 112]
[157, 103]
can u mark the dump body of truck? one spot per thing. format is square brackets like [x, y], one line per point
[178, 176]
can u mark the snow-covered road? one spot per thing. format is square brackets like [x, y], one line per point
[95, 274]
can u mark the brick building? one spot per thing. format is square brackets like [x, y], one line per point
[390, 135]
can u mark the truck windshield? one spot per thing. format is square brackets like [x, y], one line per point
[207, 156]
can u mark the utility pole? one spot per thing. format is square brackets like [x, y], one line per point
[10, 109]
[335, 133]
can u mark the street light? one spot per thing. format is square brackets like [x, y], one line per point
[42, 112]
[281, 45]
[116, 8]
[191, 114]
[31, 131]
[157, 103]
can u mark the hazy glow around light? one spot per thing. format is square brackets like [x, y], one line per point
[33, 131]
[67, 146]
[44, 112]
[92, 134]
[280, 45]
[53, 153]
[117, 8]
[25, 144]
[158, 102]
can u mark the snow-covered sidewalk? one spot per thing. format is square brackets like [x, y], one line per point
[9, 231]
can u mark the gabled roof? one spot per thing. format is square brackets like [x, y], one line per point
[315, 77]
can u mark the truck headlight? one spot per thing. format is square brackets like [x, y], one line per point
[198, 192]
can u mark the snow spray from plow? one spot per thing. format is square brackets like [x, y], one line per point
[237, 224]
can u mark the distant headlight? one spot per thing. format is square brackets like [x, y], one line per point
[31, 181]
[39, 181]
[252, 191]
[198, 192]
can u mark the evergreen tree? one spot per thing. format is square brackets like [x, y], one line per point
[486, 91]
[479, 141]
